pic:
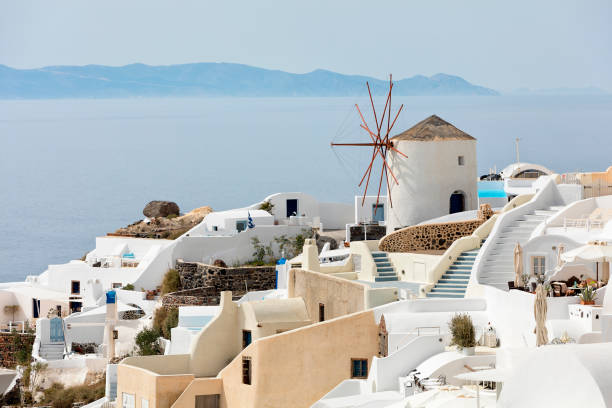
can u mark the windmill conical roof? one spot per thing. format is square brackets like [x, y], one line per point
[432, 129]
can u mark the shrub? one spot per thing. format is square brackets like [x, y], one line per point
[170, 322]
[60, 397]
[220, 263]
[129, 286]
[147, 342]
[22, 348]
[172, 216]
[164, 320]
[462, 331]
[171, 282]
[266, 206]
[177, 233]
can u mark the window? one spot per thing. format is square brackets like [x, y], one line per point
[378, 212]
[75, 287]
[246, 338]
[73, 306]
[117, 285]
[241, 225]
[321, 312]
[144, 403]
[538, 265]
[292, 207]
[359, 368]
[207, 401]
[35, 308]
[215, 228]
[460, 160]
[128, 400]
[246, 370]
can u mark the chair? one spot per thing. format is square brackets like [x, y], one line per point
[560, 287]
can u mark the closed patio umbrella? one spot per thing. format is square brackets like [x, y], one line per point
[539, 311]
[518, 266]
[560, 250]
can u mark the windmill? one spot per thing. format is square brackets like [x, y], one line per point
[379, 142]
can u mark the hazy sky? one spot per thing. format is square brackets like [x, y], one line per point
[499, 44]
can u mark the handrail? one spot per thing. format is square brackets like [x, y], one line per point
[418, 332]
[427, 327]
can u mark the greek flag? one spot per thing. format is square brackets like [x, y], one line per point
[250, 223]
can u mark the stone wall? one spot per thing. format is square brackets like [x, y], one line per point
[371, 232]
[433, 237]
[202, 283]
[9, 346]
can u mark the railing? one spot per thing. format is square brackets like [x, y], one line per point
[402, 343]
[582, 223]
[570, 178]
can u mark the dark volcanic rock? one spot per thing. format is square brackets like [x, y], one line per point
[160, 209]
[323, 239]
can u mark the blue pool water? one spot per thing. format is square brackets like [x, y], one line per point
[491, 189]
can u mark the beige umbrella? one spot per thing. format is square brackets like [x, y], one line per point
[593, 252]
[560, 250]
[518, 266]
[539, 311]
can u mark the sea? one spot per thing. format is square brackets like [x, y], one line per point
[72, 170]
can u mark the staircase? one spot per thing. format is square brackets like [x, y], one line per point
[498, 267]
[453, 283]
[52, 351]
[384, 270]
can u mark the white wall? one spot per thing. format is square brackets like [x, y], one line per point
[331, 215]
[364, 213]
[231, 249]
[428, 178]
[225, 221]
[385, 371]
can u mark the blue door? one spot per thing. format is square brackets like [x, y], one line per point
[57, 330]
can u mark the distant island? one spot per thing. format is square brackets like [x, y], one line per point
[210, 79]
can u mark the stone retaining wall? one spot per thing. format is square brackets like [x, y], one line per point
[9, 348]
[371, 232]
[428, 237]
[203, 283]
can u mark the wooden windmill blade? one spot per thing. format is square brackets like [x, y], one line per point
[380, 144]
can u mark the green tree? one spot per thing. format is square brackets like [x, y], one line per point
[147, 342]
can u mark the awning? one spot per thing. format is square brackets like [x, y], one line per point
[589, 252]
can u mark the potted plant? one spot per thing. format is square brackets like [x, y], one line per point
[587, 295]
[463, 333]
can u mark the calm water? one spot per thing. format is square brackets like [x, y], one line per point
[71, 170]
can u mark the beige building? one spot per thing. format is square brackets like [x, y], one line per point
[265, 353]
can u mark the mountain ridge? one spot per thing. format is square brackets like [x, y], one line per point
[211, 79]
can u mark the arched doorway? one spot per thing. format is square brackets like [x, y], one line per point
[457, 202]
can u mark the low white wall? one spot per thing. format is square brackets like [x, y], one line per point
[512, 313]
[385, 371]
[413, 267]
[231, 249]
[363, 260]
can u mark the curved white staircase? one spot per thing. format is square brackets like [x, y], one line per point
[498, 264]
